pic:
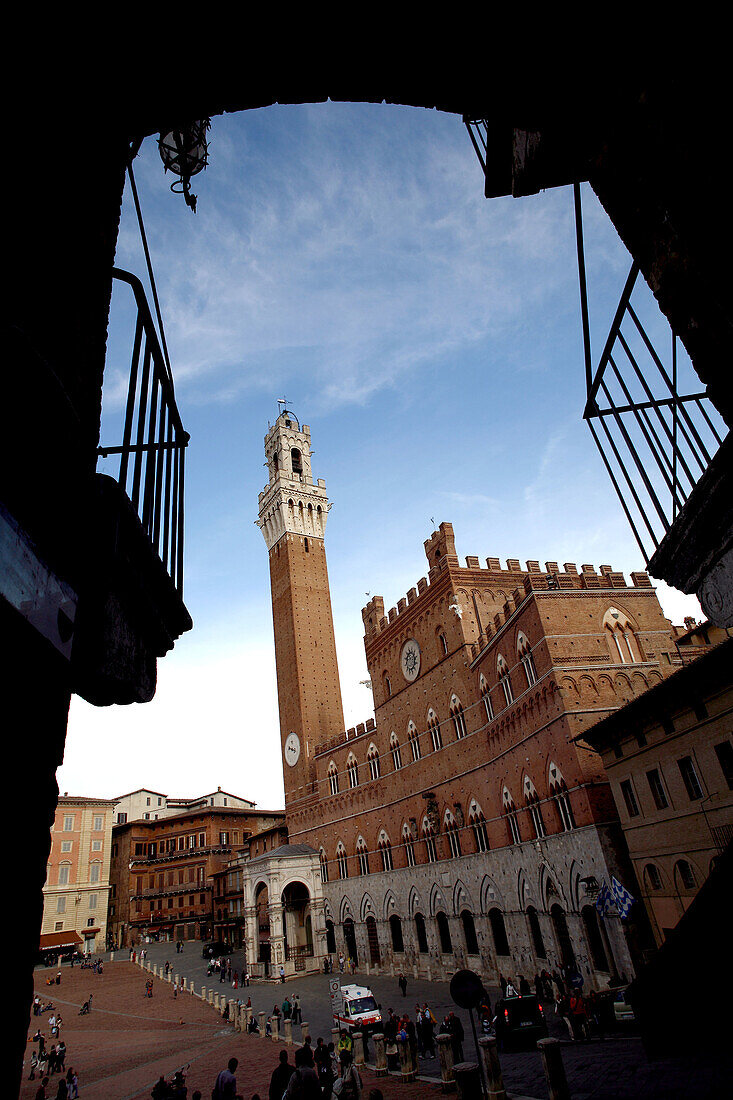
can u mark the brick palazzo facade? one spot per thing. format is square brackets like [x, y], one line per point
[465, 826]
[163, 871]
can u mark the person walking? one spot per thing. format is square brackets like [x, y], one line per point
[282, 973]
[297, 1014]
[402, 983]
[73, 1082]
[226, 1082]
[303, 1083]
[457, 1036]
[281, 1075]
[322, 1059]
[348, 1086]
[41, 1090]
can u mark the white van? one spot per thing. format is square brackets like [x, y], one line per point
[359, 1009]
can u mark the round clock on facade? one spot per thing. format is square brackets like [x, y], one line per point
[292, 749]
[410, 659]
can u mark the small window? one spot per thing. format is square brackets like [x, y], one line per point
[653, 877]
[724, 753]
[686, 874]
[443, 642]
[655, 786]
[689, 778]
[69, 824]
[98, 823]
[632, 806]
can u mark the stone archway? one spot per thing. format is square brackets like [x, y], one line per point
[297, 924]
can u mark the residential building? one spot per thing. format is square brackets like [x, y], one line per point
[668, 755]
[77, 887]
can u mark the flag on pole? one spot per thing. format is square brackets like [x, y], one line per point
[604, 901]
[624, 900]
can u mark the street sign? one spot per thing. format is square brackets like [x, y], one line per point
[337, 997]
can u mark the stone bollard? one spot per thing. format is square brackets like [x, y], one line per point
[275, 1025]
[468, 1081]
[216, 1001]
[261, 1016]
[445, 1057]
[305, 1031]
[407, 1066]
[247, 1016]
[155, 970]
[492, 1068]
[210, 996]
[380, 1055]
[557, 1084]
[232, 1012]
[203, 992]
[287, 1031]
[358, 1048]
[169, 977]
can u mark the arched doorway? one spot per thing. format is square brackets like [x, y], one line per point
[350, 940]
[330, 937]
[374, 954]
[262, 907]
[297, 924]
[562, 935]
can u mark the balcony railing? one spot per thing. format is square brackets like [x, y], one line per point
[655, 430]
[152, 452]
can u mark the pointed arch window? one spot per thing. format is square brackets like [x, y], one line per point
[352, 770]
[452, 831]
[362, 856]
[457, 716]
[535, 809]
[342, 861]
[323, 860]
[387, 685]
[510, 812]
[409, 845]
[561, 797]
[296, 461]
[477, 821]
[333, 778]
[429, 838]
[436, 738]
[414, 739]
[385, 851]
[486, 698]
[505, 679]
[394, 748]
[443, 643]
[373, 762]
[524, 653]
[623, 644]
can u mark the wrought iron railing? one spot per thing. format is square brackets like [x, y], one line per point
[152, 453]
[655, 440]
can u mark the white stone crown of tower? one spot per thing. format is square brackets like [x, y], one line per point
[291, 503]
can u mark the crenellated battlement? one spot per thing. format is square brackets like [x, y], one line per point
[348, 735]
[441, 555]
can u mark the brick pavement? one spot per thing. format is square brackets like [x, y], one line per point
[128, 1041]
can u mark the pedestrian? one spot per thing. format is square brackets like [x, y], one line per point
[402, 983]
[297, 1014]
[341, 962]
[73, 1082]
[246, 976]
[52, 1060]
[303, 1083]
[524, 986]
[562, 1008]
[61, 1056]
[58, 978]
[287, 1009]
[282, 973]
[322, 1059]
[281, 1075]
[34, 1066]
[457, 1036]
[226, 1082]
[41, 1090]
[36, 1005]
[345, 1046]
[348, 1086]
[62, 1091]
[510, 991]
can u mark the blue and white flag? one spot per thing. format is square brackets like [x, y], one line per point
[624, 900]
[604, 901]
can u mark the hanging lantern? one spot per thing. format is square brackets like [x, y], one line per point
[186, 153]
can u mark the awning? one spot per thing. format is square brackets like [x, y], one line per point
[60, 941]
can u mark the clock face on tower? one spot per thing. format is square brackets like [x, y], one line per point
[410, 660]
[292, 749]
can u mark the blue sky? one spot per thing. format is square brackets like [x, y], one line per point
[344, 256]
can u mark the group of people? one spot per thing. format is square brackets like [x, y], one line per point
[420, 1034]
[223, 967]
[45, 1063]
[39, 1006]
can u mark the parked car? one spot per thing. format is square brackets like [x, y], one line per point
[622, 1009]
[519, 1021]
[215, 949]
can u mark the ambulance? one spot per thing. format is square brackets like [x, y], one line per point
[358, 1009]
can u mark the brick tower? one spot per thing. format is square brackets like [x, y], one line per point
[292, 517]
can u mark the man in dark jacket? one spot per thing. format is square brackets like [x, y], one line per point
[280, 1077]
